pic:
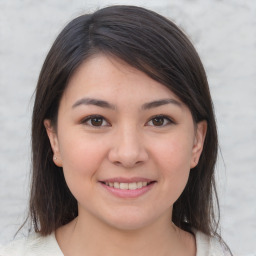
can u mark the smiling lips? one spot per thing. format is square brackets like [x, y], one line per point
[131, 188]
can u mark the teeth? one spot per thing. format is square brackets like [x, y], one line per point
[124, 185]
[116, 185]
[133, 186]
[130, 186]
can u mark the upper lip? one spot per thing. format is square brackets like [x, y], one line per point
[126, 180]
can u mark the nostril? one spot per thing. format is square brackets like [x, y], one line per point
[127, 164]
[117, 163]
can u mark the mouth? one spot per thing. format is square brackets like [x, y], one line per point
[128, 188]
[128, 185]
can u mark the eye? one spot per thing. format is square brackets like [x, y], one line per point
[95, 121]
[160, 121]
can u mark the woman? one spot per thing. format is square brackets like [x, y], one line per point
[124, 142]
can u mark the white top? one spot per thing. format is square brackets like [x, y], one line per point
[36, 245]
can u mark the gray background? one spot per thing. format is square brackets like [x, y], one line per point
[224, 33]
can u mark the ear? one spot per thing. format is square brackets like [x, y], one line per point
[201, 129]
[52, 135]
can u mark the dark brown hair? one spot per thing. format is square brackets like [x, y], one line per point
[154, 45]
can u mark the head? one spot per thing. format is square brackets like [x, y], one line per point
[153, 45]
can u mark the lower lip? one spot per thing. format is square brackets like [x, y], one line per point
[128, 193]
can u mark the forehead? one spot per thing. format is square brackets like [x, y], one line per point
[109, 76]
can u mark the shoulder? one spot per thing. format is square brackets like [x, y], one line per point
[210, 246]
[34, 244]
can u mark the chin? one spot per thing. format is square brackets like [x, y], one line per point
[130, 222]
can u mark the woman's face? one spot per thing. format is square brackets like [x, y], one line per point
[126, 144]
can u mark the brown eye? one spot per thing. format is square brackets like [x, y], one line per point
[95, 121]
[160, 121]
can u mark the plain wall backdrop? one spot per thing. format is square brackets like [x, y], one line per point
[223, 32]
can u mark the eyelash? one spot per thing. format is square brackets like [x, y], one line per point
[166, 121]
[91, 117]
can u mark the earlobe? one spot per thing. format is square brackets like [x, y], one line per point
[53, 138]
[201, 129]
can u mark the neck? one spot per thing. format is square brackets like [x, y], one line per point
[87, 236]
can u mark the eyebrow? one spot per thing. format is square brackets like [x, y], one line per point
[105, 104]
[96, 102]
[158, 103]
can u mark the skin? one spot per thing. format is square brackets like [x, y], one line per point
[127, 141]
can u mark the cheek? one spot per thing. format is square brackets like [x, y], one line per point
[173, 159]
[174, 153]
[81, 158]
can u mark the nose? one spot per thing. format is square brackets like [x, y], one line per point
[128, 149]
